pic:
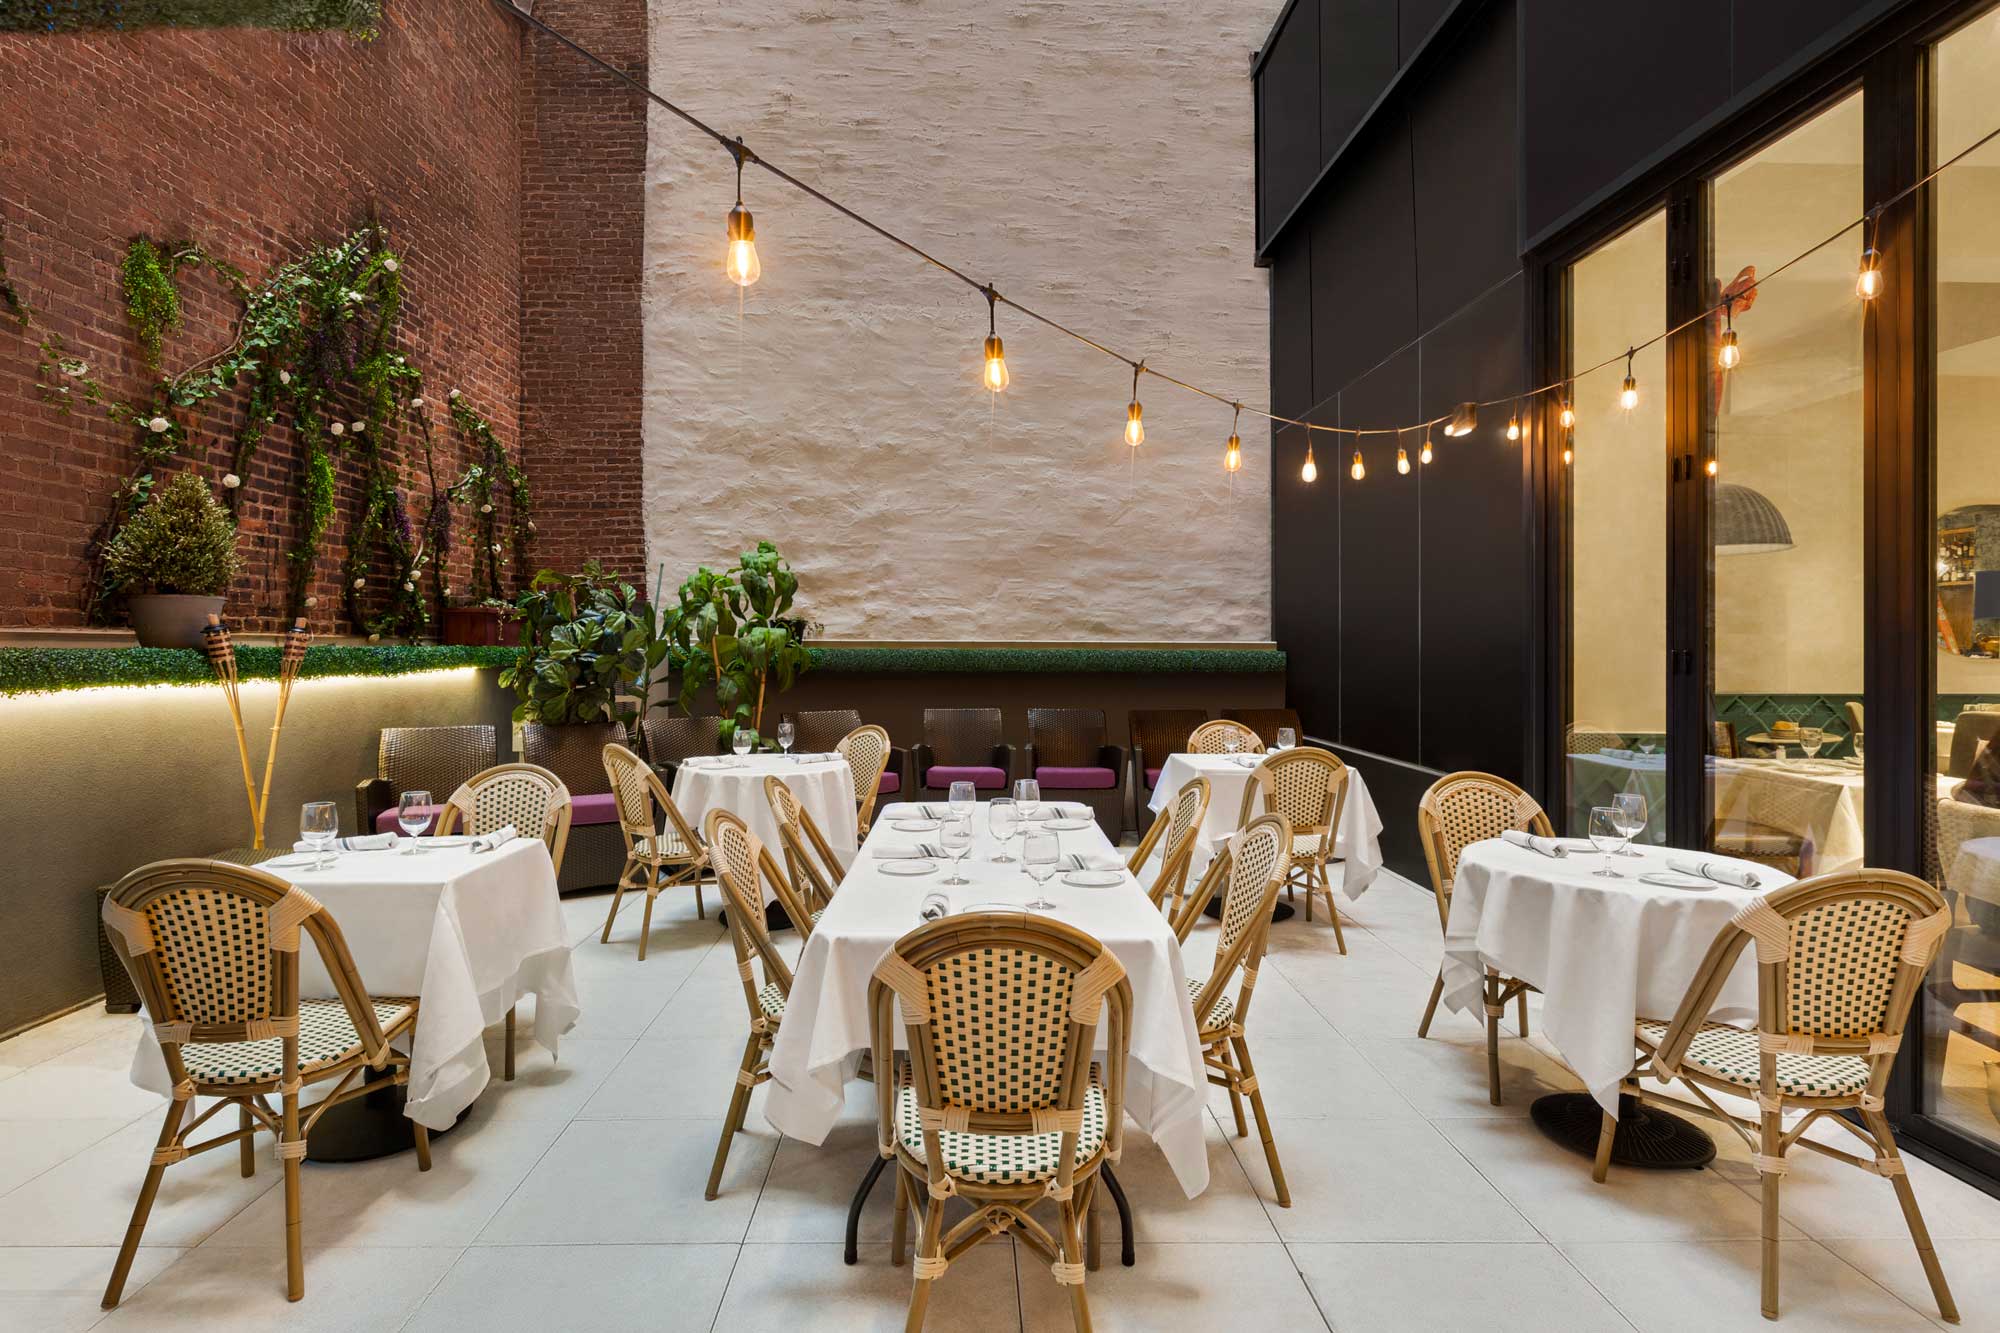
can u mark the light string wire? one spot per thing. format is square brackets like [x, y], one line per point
[743, 154]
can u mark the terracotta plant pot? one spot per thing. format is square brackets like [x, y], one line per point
[170, 619]
[475, 626]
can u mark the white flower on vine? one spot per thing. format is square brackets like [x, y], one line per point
[361, 583]
[454, 394]
[391, 265]
[73, 367]
[496, 548]
[158, 425]
[374, 638]
[337, 428]
[358, 427]
[284, 377]
[311, 602]
[408, 586]
[531, 525]
[486, 509]
[230, 481]
[416, 402]
[353, 297]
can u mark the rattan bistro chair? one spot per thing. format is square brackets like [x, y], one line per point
[1070, 757]
[432, 759]
[1173, 835]
[815, 871]
[1224, 737]
[534, 802]
[1308, 786]
[740, 865]
[967, 744]
[1461, 809]
[1839, 960]
[1256, 862]
[1266, 721]
[1157, 733]
[998, 1101]
[867, 751]
[214, 952]
[661, 850]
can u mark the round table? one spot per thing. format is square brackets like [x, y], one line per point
[823, 783]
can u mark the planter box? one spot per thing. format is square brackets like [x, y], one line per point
[476, 626]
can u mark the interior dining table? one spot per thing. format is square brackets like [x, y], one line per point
[823, 783]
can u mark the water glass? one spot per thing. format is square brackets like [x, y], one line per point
[956, 835]
[787, 733]
[1631, 808]
[1231, 742]
[413, 814]
[742, 740]
[1287, 738]
[319, 825]
[1810, 741]
[1028, 796]
[963, 800]
[1003, 820]
[1607, 835]
[1858, 757]
[1040, 853]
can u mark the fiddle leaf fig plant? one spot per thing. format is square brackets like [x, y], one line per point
[586, 641]
[734, 631]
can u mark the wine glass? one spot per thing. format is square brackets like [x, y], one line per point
[413, 813]
[1003, 820]
[1231, 742]
[1857, 748]
[1028, 796]
[1646, 744]
[1287, 738]
[319, 825]
[1607, 835]
[956, 835]
[1631, 808]
[1040, 853]
[787, 733]
[1810, 741]
[742, 740]
[962, 801]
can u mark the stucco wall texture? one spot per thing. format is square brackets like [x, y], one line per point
[1093, 161]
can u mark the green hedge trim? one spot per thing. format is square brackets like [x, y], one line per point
[860, 661]
[359, 18]
[46, 670]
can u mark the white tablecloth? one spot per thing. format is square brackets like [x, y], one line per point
[736, 784]
[1603, 952]
[826, 1019]
[1357, 841]
[467, 933]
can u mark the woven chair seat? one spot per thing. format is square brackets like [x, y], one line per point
[326, 1037]
[1225, 1008]
[1730, 1055]
[1001, 1159]
[1305, 846]
[771, 999]
[666, 843]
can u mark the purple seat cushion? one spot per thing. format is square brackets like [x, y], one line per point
[941, 776]
[386, 821]
[596, 808]
[891, 781]
[1153, 777]
[1076, 779]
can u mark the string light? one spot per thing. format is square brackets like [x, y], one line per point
[995, 376]
[1569, 449]
[1135, 429]
[1232, 453]
[1403, 461]
[1868, 282]
[1628, 397]
[1310, 472]
[1425, 454]
[743, 266]
[1728, 355]
[1463, 418]
[1514, 421]
[1567, 416]
[1712, 467]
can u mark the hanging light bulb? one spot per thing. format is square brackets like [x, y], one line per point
[995, 376]
[1727, 354]
[743, 266]
[1310, 472]
[1628, 396]
[1232, 453]
[1135, 428]
[1566, 416]
[1403, 462]
[1868, 283]
[1463, 418]
[1712, 467]
[1426, 454]
[1569, 447]
[1514, 422]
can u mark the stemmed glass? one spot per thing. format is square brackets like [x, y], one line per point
[962, 801]
[1028, 796]
[1003, 820]
[956, 835]
[1810, 741]
[1287, 738]
[1646, 745]
[787, 733]
[1231, 742]
[1607, 835]
[1039, 854]
[413, 814]
[742, 740]
[319, 825]
[1857, 748]
[1631, 808]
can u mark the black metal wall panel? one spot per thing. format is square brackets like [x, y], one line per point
[1767, 33]
[1395, 789]
[1357, 58]
[1415, 21]
[1305, 560]
[1364, 263]
[1288, 152]
[1379, 568]
[1464, 170]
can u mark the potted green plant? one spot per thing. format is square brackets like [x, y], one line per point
[174, 562]
[480, 624]
[734, 631]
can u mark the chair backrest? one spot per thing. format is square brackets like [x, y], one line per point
[214, 952]
[1971, 730]
[963, 736]
[1214, 738]
[528, 797]
[1159, 732]
[434, 759]
[1266, 721]
[741, 865]
[1259, 857]
[1467, 807]
[815, 870]
[1582, 738]
[1173, 834]
[573, 753]
[1066, 737]
[1307, 786]
[1839, 960]
[866, 750]
[1855, 724]
[820, 731]
[1725, 740]
[673, 738]
[1001, 1013]
[638, 791]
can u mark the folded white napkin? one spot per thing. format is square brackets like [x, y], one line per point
[1092, 861]
[1616, 753]
[935, 907]
[499, 837]
[360, 842]
[1719, 871]
[890, 852]
[1057, 810]
[1546, 846]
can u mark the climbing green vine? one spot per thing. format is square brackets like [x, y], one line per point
[491, 467]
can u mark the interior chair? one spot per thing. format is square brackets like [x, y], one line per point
[596, 852]
[1855, 718]
[1582, 738]
[1224, 737]
[1723, 741]
[1157, 733]
[1839, 960]
[867, 752]
[1069, 756]
[672, 739]
[998, 1102]
[1266, 721]
[1173, 835]
[661, 850]
[1257, 870]
[815, 872]
[1972, 729]
[529, 799]
[963, 745]
[214, 951]
[822, 731]
[1308, 786]
[432, 759]
[1461, 809]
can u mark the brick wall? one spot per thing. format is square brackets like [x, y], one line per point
[583, 149]
[255, 144]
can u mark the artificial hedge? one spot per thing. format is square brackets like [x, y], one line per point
[45, 670]
[359, 18]
[1114, 661]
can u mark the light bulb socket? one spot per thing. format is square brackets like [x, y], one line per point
[741, 228]
[1463, 418]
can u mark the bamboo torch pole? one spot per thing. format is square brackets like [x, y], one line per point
[297, 639]
[221, 654]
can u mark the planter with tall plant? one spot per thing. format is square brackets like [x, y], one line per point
[734, 631]
[173, 563]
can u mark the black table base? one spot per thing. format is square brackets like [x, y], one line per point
[1282, 911]
[369, 1126]
[852, 1254]
[1647, 1138]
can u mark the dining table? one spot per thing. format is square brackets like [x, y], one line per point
[823, 783]
[882, 897]
[469, 931]
[1357, 836]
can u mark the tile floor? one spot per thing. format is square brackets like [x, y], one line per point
[572, 1197]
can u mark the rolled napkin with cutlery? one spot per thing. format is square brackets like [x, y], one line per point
[1719, 871]
[935, 907]
[360, 842]
[499, 837]
[1092, 861]
[1534, 842]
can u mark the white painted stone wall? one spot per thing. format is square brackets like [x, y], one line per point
[1093, 160]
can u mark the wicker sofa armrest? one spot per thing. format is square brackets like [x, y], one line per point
[1003, 759]
[371, 797]
[922, 760]
[899, 764]
[1113, 758]
[1031, 760]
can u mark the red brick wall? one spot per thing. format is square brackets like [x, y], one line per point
[583, 149]
[255, 144]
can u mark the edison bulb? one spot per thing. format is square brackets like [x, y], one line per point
[1403, 461]
[1232, 455]
[1135, 429]
[995, 377]
[1567, 416]
[1712, 467]
[1513, 428]
[743, 266]
[1568, 454]
[1728, 355]
[1310, 472]
[1424, 455]
[1628, 397]
[1868, 283]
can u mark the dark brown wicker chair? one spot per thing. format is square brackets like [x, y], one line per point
[672, 739]
[820, 731]
[1266, 721]
[1069, 756]
[1157, 733]
[432, 759]
[596, 855]
[963, 743]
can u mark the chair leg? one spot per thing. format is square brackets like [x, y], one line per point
[1493, 1011]
[929, 1246]
[700, 912]
[295, 1253]
[1521, 1002]
[1263, 1121]
[1072, 1252]
[1770, 1147]
[1430, 1010]
[617, 897]
[899, 1236]
[739, 1102]
[144, 1206]
[646, 921]
[1878, 1124]
[507, 1057]
[246, 1147]
[423, 1142]
[1606, 1132]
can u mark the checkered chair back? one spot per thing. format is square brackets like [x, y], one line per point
[1579, 739]
[1306, 786]
[1214, 738]
[1173, 835]
[529, 798]
[638, 791]
[866, 750]
[1467, 807]
[815, 872]
[1259, 858]
[741, 866]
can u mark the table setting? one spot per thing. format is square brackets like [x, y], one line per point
[1356, 840]
[734, 782]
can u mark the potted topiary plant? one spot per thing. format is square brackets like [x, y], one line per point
[174, 562]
